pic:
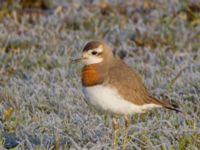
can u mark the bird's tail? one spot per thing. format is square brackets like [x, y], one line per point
[164, 104]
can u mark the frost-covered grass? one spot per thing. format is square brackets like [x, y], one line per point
[41, 103]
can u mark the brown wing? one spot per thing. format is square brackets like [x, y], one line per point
[130, 86]
[127, 82]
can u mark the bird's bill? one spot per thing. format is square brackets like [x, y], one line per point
[77, 60]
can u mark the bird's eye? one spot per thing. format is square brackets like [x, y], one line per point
[94, 52]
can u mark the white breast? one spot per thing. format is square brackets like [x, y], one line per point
[107, 99]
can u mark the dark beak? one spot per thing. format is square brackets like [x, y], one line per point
[76, 60]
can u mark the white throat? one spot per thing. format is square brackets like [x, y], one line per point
[92, 60]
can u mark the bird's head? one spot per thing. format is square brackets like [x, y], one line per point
[96, 52]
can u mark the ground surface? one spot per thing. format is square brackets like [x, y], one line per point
[41, 103]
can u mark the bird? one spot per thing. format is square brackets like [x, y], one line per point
[112, 87]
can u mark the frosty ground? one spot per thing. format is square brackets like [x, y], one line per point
[41, 102]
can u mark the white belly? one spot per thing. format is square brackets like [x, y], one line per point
[108, 100]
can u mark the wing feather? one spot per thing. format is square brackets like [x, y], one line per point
[131, 87]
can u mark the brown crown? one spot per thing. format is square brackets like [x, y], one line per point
[92, 45]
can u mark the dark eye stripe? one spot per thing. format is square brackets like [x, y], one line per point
[99, 53]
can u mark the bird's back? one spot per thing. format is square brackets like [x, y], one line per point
[127, 82]
[130, 86]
